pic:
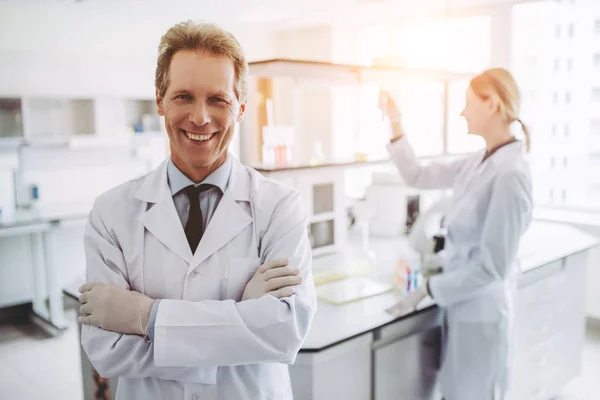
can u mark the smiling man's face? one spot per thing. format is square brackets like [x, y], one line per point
[200, 109]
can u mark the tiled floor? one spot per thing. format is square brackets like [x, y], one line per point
[34, 366]
[587, 385]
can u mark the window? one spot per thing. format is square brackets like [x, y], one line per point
[594, 192]
[457, 44]
[595, 127]
[534, 94]
[595, 159]
[561, 169]
[531, 61]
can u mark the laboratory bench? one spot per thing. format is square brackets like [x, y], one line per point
[30, 237]
[358, 351]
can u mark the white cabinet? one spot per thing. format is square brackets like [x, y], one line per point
[11, 118]
[413, 378]
[406, 358]
[53, 118]
[550, 328]
[340, 372]
[322, 194]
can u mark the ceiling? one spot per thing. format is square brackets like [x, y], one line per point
[63, 25]
[272, 14]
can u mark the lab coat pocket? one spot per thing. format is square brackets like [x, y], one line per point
[238, 273]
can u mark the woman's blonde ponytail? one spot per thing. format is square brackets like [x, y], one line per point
[527, 135]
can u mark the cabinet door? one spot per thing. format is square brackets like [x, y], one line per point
[408, 367]
[574, 315]
[340, 372]
[550, 329]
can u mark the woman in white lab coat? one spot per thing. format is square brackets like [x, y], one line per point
[490, 209]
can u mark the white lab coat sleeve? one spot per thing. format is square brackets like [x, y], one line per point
[436, 175]
[116, 354]
[507, 217]
[228, 333]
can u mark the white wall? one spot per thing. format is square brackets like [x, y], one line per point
[62, 52]
[65, 51]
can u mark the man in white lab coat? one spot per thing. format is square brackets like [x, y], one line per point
[199, 282]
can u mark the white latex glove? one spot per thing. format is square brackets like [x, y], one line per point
[408, 303]
[432, 264]
[114, 309]
[274, 277]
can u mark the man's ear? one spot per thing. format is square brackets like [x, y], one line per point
[159, 104]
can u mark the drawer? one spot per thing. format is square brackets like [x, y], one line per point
[544, 291]
[542, 313]
[545, 384]
[541, 273]
[532, 361]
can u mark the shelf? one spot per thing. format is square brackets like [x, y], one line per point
[11, 120]
[330, 216]
[323, 198]
[319, 251]
[265, 168]
[306, 69]
[141, 115]
[59, 117]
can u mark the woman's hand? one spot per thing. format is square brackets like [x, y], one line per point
[409, 302]
[388, 106]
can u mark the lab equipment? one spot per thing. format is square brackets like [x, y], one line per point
[318, 157]
[362, 258]
[427, 237]
[395, 206]
[278, 140]
[351, 289]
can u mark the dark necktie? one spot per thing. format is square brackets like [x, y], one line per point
[194, 227]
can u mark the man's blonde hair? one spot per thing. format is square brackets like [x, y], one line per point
[203, 37]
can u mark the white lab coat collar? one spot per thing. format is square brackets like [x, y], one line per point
[505, 153]
[162, 221]
[503, 156]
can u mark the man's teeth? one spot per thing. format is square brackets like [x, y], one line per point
[198, 137]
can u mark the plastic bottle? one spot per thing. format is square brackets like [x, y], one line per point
[400, 281]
